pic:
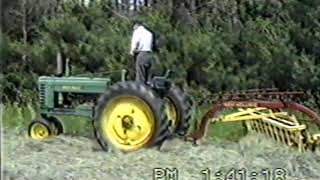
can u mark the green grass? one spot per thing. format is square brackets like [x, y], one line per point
[16, 117]
[231, 131]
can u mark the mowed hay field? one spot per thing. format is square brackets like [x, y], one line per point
[79, 158]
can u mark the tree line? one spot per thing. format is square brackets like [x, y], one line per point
[213, 44]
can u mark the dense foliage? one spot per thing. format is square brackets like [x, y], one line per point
[221, 45]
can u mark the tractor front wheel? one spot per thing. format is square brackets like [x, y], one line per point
[40, 129]
[44, 128]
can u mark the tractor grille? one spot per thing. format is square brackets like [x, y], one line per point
[42, 93]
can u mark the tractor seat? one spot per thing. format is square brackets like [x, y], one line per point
[160, 82]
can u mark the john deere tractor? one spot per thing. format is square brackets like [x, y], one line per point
[126, 115]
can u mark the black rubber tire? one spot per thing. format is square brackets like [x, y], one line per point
[143, 92]
[45, 122]
[57, 124]
[185, 109]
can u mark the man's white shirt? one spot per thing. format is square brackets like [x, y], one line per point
[141, 40]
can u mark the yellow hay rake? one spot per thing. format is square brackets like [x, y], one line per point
[268, 117]
[280, 126]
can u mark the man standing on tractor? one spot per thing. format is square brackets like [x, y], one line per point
[142, 44]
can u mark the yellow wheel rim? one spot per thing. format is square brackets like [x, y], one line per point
[39, 131]
[128, 122]
[171, 111]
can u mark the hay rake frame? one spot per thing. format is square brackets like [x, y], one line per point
[263, 111]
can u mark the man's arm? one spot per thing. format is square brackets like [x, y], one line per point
[134, 42]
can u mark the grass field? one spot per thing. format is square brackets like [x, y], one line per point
[76, 155]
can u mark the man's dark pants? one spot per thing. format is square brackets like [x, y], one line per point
[143, 65]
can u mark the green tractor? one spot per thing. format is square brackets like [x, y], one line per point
[126, 115]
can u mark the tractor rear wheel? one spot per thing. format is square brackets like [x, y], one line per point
[180, 108]
[130, 116]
